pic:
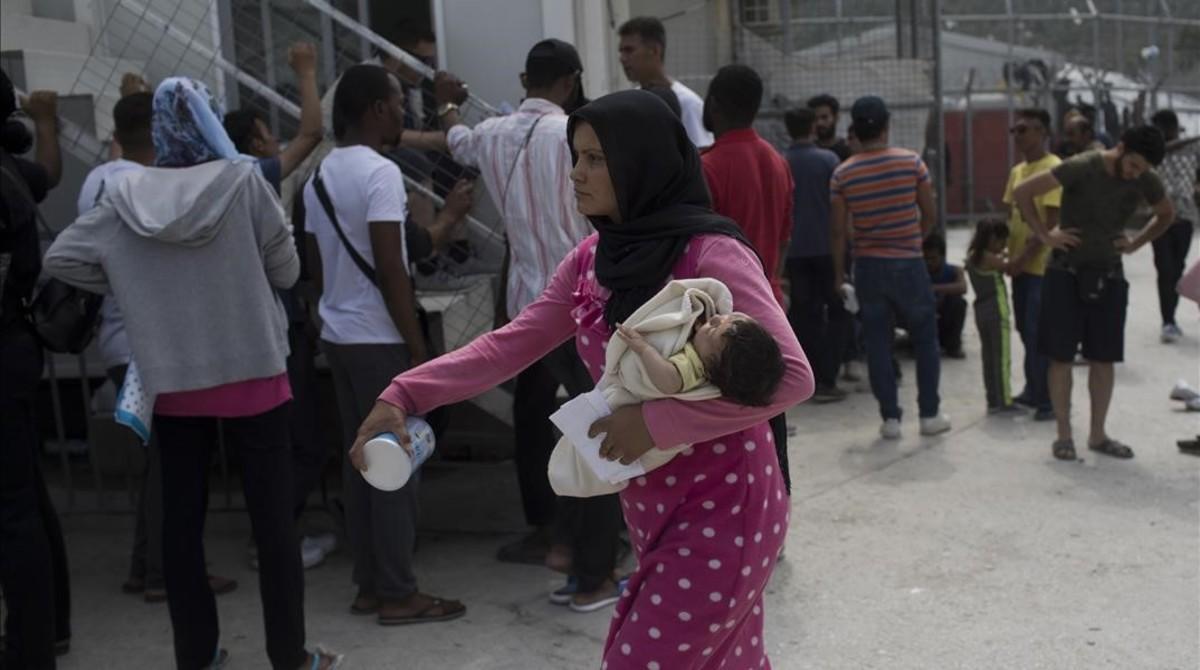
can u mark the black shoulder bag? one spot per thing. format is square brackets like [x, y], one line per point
[64, 317]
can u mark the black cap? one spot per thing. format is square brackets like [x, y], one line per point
[869, 111]
[552, 58]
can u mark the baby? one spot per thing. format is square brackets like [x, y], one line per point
[731, 351]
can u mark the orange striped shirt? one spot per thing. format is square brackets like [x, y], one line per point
[879, 189]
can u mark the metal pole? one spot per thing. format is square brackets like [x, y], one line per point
[1096, 69]
[912, 28]
[60, 430]
[268, 36]
[969, 147]
[1009, 148]
[328, 53]
[227, 90]
[1170, 59]
[837, 8]
[364, 17]
[899, 30]
[1120, 39]
[939, 110]
[785, 18]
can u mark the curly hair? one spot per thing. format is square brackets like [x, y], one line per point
[750, 366]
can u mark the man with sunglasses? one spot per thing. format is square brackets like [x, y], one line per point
[1028, 256]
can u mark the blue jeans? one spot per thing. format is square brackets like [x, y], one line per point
[900, 286]
[1027, 308]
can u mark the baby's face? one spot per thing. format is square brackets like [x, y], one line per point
[708, 338]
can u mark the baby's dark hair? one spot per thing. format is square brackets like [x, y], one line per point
[750, 365]
[985, 231]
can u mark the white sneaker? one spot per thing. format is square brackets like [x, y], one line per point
[1170, 334]
[935, 425]
[326, 541]
[1184, 392]
[311, 554]
[890, 430]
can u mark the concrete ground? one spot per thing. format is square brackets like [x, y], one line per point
[972, 550]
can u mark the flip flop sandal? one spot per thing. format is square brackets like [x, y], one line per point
[133, 586]
[1190, 446]
[220, 660]
[451, 609]
[321, 653]
[1111, 447]
[1063, 450]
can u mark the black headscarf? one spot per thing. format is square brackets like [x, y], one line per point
[660, 191]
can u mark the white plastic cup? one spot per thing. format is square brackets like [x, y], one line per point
[389, 466]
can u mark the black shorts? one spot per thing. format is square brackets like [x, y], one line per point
[1067, 321]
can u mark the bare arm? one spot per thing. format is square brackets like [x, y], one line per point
[1032, 246]
[957, 287]
[387, 248]
[837, 239]
[993, 261]
[425, 140]
[42, 107]
[1164, 216]
[1024, 195]
[928, 208]
[303, 58]
[663, 374]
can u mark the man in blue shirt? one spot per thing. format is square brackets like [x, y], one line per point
[816, 312]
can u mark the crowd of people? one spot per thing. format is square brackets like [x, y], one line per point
[227, 261]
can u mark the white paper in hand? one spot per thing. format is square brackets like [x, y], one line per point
[574, 419]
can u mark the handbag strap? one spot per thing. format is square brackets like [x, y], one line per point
[331, 213]
[512, 169]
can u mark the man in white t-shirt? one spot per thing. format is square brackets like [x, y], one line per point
[371, 330]
[643, 51]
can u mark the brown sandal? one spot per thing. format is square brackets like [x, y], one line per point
[435, 610]
[364, 605]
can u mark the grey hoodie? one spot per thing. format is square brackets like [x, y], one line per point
[190, 255]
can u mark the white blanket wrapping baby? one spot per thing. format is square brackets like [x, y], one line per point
[666, 321]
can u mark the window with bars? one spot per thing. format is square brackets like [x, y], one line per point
[757, 12]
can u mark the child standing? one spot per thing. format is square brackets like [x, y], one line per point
[986, 261]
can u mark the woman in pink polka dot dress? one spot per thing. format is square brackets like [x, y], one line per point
[708, 526]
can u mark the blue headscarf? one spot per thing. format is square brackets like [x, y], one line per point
[186, 125]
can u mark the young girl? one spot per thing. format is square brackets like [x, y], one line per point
[985, 266]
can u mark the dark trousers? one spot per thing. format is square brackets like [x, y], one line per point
[951, 316]
[309, 455]
[1170, 254]
[264, 446]
[1027, 310]
[994, 355]
[33, 564]
[779, 433]
[818, 317]
[380, 525]
[590, 525]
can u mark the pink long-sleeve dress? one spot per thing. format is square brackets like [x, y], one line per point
[707, 526]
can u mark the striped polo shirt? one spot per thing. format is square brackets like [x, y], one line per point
[879, 189]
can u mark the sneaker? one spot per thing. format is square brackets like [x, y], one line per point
[1043, 415]
[956, 354]
[563, 595]
[1170, 334]
[1193, 405]
[828, 394]
[326, 541]
[890, 430]
[311, 554]
[1023, 398]
[610, 599]
[1184, 392]
[935, 425]
[852, 372]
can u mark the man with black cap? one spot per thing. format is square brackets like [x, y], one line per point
[888, 193]
[525, 162]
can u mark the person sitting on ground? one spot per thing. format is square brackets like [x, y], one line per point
[949, 288]
[986, 260]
